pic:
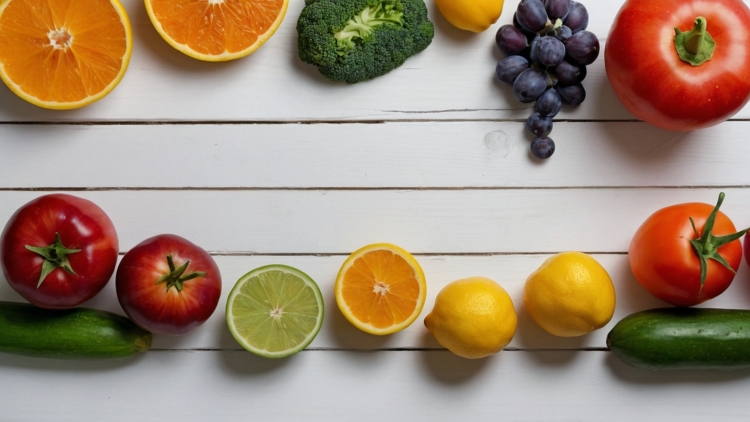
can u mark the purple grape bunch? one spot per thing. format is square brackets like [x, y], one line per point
[548, 49]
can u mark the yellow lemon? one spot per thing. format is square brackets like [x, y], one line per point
[473, 318]
[570, 295]
[471, 15]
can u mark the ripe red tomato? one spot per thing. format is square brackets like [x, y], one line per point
[58, 251]
[168, 285]
[658, 87]
[665, 261]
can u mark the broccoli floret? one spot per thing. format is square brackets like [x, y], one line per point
[355, 40]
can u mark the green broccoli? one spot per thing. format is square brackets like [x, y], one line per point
[355, 40]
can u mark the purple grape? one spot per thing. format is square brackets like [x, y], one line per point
[529, 85]
[563, 33]
[582, 48]
[508, 69]
[539, 125]
[543, 147]
[578, 17]
[549, 51]
[549, 103]
[568, 73]
[557, 9]
[533, 50]
[529, 34]
[531, 15]
[510, 40]
[572, 95]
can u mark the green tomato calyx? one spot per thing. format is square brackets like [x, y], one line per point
[695, 46]
[176, 276]
[55, 256]
[707, 245]
[362, 26]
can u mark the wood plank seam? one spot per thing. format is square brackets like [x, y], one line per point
[361, 189]
[391, 349]
[303, 122]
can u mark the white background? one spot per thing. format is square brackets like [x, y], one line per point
[263, 161]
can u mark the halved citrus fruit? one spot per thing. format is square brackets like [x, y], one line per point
[216, 30]
[63, 54]
[275, 311]
[380, 289]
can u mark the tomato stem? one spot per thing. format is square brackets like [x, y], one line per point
[175, 278]
[707, 245]
[695, 46]
[55, 256]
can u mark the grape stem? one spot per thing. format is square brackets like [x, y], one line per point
[550, 27]
[695, 46]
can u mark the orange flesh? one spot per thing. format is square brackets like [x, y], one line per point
[62, 50]
[381, 289]
[214, 27]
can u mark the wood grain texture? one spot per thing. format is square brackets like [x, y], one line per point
[391, 155]
[452, 79]
[510, 271]
[347, 386]
[421, 221]
[432, 157]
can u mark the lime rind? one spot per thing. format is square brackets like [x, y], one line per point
[258, 294]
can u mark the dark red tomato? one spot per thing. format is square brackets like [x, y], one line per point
[168, 285]
[656, 85]
[58, 251]
[665, 253]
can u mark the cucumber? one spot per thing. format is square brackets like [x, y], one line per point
[69, 334]
[683, 338]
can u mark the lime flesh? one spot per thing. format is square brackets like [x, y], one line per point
[275, 311]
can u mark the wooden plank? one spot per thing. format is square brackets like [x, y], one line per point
[452, 79]
[510, 271]
[405, 155]
[346, 386]
[422, 221]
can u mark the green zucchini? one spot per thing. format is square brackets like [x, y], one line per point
[69, 334]
[683, 338]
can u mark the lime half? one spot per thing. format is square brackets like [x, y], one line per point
[275, 311]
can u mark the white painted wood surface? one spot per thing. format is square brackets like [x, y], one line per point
[390, 155]
[452, 79]
[259, 162]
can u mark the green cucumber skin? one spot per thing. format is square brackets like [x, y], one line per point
[69, 334]
[683, 338]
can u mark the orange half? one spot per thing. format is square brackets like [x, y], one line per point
[216, 30]
[63, 54]
[380, 289]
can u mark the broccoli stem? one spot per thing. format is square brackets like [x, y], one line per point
[363, 25]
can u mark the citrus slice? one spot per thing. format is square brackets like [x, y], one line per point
[380, 289]
[216, 30]
[63, 54]
[275, 311]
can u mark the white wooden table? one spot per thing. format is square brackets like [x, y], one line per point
[263, 161]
